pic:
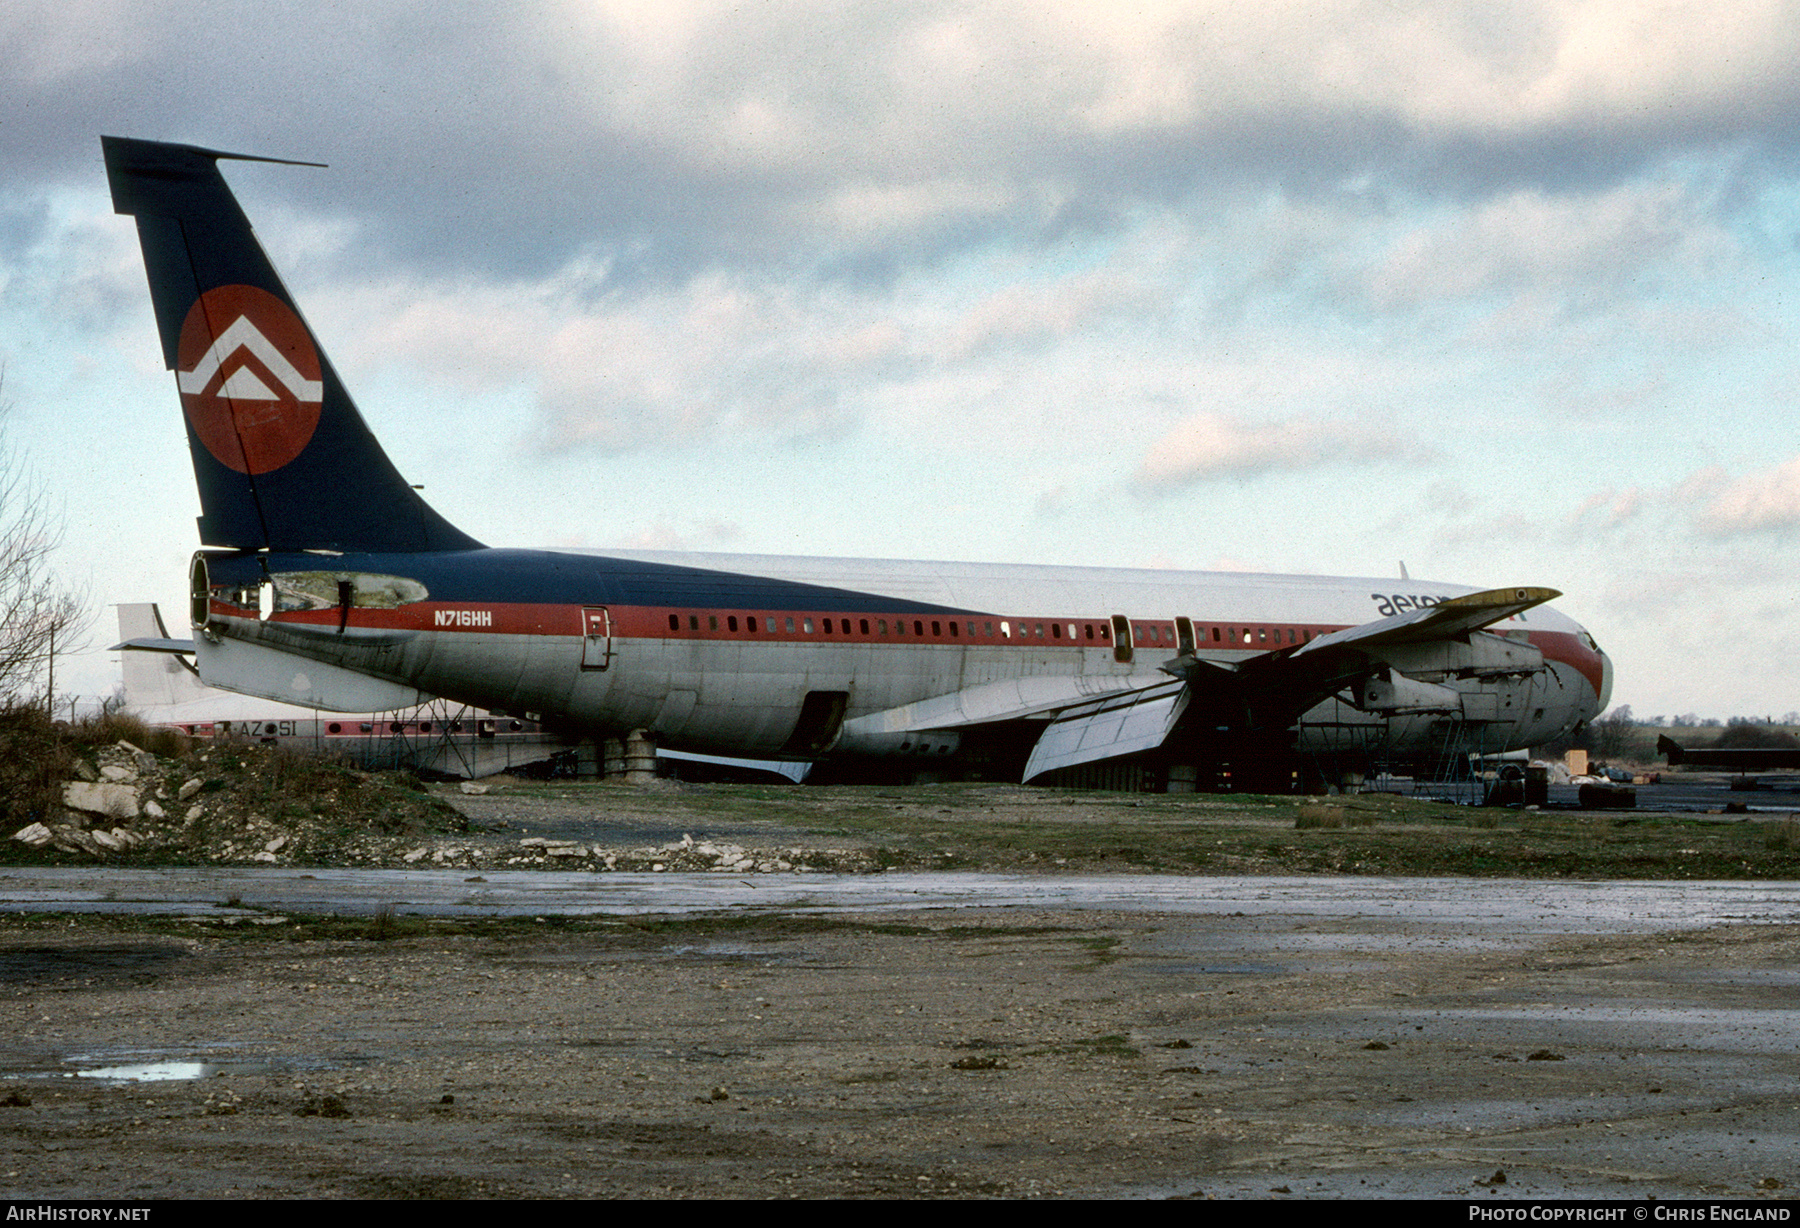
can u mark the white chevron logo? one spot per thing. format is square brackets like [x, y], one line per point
[243, 383]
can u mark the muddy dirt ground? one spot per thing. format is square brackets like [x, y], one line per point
[949, 1053]
[957, 1054]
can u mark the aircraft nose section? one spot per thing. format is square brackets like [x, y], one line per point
[1602, 696]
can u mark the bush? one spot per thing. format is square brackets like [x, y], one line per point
[110, 727]
[35, 760]
[1742, 735]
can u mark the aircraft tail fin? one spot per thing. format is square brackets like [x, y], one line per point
[283, 459]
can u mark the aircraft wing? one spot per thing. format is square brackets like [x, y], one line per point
[1441, 639]
[1454, 616]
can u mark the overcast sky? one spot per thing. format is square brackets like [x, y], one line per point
[1506, 291]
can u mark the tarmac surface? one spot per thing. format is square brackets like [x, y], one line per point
[1465, 912]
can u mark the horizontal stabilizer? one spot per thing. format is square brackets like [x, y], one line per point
[269, 673]
[180, 648]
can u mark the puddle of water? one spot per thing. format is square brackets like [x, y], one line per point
[148, 1072]
[142, 1066]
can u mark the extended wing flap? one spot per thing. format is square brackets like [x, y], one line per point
[1120, 724]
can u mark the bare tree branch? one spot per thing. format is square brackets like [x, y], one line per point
[38, 614]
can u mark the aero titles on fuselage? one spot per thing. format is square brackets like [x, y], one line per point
[1387, 604]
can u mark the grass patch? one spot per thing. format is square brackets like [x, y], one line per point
[1115, 1044]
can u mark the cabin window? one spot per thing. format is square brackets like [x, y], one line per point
[806, 625]
[918, 626]
[693, 622]
[952, 629]
[674, 622]
[334, 727]
[864, 624]
[935, 629]
[731, 623]
[790, 624]
[1262, 635]
[771, 625]
[1215, 635]
[827, 627]
[881, 626]
[712, 622]
[1056, 631]
[1246, 635]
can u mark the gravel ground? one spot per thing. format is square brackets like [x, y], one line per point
[960, 1053]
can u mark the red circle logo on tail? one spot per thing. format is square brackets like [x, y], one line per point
[250, 378]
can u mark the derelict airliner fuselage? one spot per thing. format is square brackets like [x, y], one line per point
[324, 579]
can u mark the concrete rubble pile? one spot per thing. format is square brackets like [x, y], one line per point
[115, 804]
[691, 854]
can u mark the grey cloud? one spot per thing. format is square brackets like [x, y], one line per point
[501, 139]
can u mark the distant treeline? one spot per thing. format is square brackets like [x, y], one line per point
[1618, 735]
